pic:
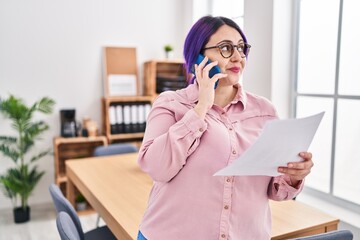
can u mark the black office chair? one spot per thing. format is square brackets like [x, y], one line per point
[66, 227]
[333, 235]
[113, 149]
[63, 205]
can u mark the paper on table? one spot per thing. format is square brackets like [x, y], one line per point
[279, 143]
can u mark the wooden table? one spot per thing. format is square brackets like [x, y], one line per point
[293, 219]
[118, 190]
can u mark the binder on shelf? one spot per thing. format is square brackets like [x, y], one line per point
[166, 83]
[119, 118]
[134, 118]
[127, 119]
[112, 119]
[141, 117]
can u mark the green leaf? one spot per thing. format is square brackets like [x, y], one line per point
[46, 105]
[8, 152]
[13, 108]
[6, 189]
[40, 155]
[8, 140]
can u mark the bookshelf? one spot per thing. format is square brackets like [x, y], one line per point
[159, 76]
[117, 126]
[163, 75]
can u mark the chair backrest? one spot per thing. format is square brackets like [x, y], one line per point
[333, 235]
[63, 205]
[66, 227]
[116, 148]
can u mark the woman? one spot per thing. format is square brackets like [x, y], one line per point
[194, 132]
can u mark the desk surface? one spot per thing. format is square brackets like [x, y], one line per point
[118, 190]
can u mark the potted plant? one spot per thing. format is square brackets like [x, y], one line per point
[168, 50]
[19, 181]
[80, 202]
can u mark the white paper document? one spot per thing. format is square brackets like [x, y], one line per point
[280, 142]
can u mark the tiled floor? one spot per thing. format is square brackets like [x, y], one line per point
[41, 226]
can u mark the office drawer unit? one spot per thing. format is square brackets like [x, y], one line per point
[70, 148]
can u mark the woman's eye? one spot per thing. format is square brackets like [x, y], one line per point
[241, 47]
[225, 48]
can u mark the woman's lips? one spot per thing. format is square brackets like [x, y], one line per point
[234, 69]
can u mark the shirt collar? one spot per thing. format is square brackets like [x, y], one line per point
[192, 92]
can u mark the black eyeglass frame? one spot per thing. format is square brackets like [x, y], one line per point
[246, 49]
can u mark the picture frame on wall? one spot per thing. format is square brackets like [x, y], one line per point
[120, 72]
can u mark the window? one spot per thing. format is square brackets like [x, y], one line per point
[327, 79]
[233, 9]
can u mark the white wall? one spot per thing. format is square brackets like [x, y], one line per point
[258, 29]
[282, 56]
[268, 27]
[53, 48]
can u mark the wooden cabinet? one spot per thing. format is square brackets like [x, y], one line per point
[70, 148]
[161, 76]
[118, 125]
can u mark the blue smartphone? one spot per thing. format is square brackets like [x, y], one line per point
[213, 70]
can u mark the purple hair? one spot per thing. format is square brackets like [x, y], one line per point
[199, 36]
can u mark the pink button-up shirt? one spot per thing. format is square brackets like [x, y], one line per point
[181, 152]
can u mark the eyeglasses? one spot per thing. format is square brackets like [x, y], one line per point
[227, 49]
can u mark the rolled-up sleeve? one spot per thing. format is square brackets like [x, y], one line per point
[280, 188]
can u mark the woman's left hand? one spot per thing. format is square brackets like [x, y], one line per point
[297, 171]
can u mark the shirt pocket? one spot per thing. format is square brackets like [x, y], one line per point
[248, 130]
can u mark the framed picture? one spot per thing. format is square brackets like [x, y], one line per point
[120, 72]
[122, 85]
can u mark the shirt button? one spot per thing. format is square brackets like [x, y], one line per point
[223, 235]
[201, 129]
[234, 152]
[226, 207]
[228, 179]
[230, 128]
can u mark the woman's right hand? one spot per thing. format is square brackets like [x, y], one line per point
[206, 86]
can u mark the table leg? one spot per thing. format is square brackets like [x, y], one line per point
[70, 192]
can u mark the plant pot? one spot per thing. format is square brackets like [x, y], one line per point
[21, 215]
[81, 206]
[169, 54]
